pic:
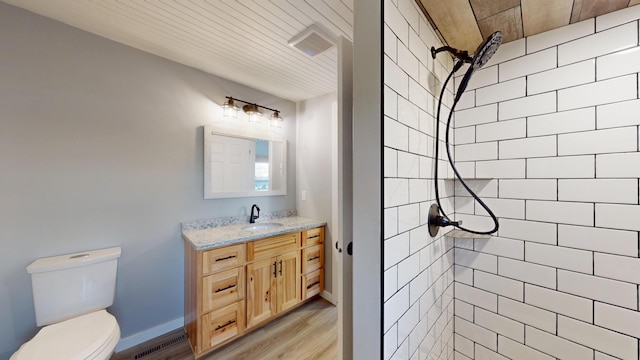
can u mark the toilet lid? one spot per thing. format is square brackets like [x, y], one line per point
[73, 339]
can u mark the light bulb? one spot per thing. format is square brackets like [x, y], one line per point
[229, 109]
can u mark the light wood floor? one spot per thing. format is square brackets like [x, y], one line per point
[309, 332]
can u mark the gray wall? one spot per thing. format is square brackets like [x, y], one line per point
[101, 145]
[317, 120]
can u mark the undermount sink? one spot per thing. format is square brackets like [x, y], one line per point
[262, 226]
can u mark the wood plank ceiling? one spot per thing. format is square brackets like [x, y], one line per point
[246, 41]
[463, 24]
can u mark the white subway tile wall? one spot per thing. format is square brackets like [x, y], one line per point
[419, 270]
[498, 130]
[501, 91]
[564, 122]
[562, 77]
[525, 65]
[559, 36]
[561, 278]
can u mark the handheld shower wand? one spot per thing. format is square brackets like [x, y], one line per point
[484, 52]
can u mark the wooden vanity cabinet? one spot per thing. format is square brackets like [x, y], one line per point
[234, 289]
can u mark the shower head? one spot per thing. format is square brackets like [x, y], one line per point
[483, 53]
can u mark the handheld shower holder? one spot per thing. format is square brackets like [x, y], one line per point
[436, 221]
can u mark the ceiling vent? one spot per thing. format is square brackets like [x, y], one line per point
[313, 40]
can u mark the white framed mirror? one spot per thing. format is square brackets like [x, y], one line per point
[237, 165]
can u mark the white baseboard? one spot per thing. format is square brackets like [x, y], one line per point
[146, 335]
[329, 297]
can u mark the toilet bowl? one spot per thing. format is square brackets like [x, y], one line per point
[93, 336]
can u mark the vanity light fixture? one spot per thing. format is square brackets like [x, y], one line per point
[252, 110]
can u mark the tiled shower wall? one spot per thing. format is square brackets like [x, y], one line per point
[418, 276]
[550, 129]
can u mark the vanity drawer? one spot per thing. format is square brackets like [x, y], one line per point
[312, 258]
[222, 258]
[312, 284]
[222, 289]
[273, 246]
[221, 325]
[313, 237]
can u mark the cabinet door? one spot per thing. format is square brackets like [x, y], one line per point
[272, 246]
[223, 258]
[221, 325]
[222, 289]
[312, 283]
[261, 291]
[313, 237]
[312, 258]
[288, 280]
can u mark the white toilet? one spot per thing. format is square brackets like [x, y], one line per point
[70, 294]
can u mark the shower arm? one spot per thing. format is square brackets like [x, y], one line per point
[460, 54]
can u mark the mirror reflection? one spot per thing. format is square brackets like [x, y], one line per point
[238, 166]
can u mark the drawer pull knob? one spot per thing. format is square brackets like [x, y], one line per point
[274, 269]
[225, 325]
[313, 237]
[226, 258]
[280, 267]
[313, 284]
[225, 288]
[313, 258]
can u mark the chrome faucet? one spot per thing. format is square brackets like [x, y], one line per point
[253, 218]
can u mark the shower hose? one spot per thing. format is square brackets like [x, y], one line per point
[456, 67]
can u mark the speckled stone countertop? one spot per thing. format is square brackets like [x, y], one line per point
[202, 239]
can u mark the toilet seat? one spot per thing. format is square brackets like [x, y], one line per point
[92, 336]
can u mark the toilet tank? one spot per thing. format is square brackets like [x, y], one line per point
[70, 285]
